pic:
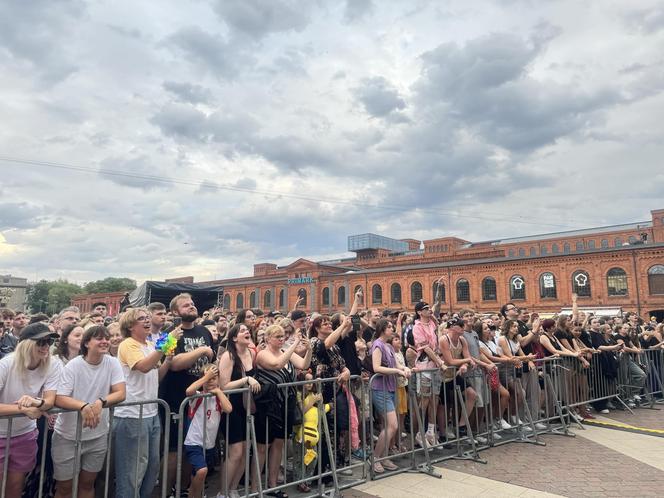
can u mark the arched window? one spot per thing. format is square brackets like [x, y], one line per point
[517, 287]
[605, 243]
[326, 296]
[267, 300]
[547, 283]
[282, 298]
[591, 244]
[579, 246]
[463, 290]
[376, 294]
[227, 302]
[618, 242]
[616, 282]
[438, 292]
[656, 279]
[522, 252]
[544, 251]
[239, 302]
[252, 299]
[566, 248]
[533, 251]
[395, 293]
[341, 295]
[511, 253]
[489, 292]
[303, 295]
[555, 249]
[581, 283]
[415, 292]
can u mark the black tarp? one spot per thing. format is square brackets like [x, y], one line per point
[204, 296]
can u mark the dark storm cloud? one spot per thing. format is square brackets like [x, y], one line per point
[357, 10]
[379, 97]
[257, 18]
[189, 92]
[38, 32]
[19, 215]
[486, 86]
[212, 52]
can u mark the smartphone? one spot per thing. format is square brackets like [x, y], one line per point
[355, 320]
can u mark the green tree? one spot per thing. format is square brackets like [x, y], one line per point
[110, 284]
[37, 296]
[60, 294]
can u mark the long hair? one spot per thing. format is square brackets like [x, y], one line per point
[381, 327]
[507, 325]
[23, 357]
[315, 325]
[62, 350]
[231, 346]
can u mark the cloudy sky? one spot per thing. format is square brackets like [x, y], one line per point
[198, 137]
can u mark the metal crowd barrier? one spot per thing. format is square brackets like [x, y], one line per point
[45, 448]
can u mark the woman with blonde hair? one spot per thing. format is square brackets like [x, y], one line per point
[28, 385]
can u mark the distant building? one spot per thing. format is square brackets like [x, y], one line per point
[619, 266]
[13, 292]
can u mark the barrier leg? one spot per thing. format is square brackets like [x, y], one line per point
[558, 409]
[426, 467]
[472, 454]
[521, 436]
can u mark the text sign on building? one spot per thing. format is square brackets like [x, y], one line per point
[299, 281]
[548, 281]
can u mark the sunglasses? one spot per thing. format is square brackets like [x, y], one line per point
[46, 341]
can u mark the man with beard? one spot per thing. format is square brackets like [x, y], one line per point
[193, 352]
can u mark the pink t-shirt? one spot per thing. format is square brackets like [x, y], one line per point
[425, 335]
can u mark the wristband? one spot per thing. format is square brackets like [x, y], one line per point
[103, 402]
[81, 408]
[41, 402]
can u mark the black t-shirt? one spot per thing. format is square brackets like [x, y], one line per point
[649, 342]
[586, 339]
[523, 332]
[368, 334]
[172, 388]
[624, 338]
[349, 353]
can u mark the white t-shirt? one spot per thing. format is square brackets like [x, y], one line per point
[85, 382]
[13, 386]
[207, 414]
[140, 386]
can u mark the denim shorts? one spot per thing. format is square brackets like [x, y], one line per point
[383, 401]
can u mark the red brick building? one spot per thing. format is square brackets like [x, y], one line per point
[620, 266]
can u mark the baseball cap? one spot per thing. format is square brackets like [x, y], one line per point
[421, 305]
[272, 314]
[389, 312]
[36, 331]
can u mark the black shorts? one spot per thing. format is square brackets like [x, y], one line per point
[447, 389]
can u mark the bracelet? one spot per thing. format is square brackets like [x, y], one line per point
[81, 408]
[41, 402]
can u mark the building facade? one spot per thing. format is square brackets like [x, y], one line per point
[13, 292]
[620, 266]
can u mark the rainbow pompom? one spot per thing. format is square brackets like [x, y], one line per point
[166, 343]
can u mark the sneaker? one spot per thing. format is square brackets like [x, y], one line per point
[418, 440]
[605, 411]
[527, 428]
[431, 438]
[540, 426]
[516, 420]
[504, 425]
[589, 416]
[497, 437]
[480, 440]
[631, 404]
[637, 398]
[463, 431]
[345, 472]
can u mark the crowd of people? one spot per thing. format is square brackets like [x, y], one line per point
[289, 371]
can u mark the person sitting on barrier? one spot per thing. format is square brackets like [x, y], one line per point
[28, 384]
[455, 354]
[509, 343]
[273, 425]
[236, 370]
[88, 385]
[203, 417]
[136, 432]
[633, 374]
[383, 390]
[501, 396]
